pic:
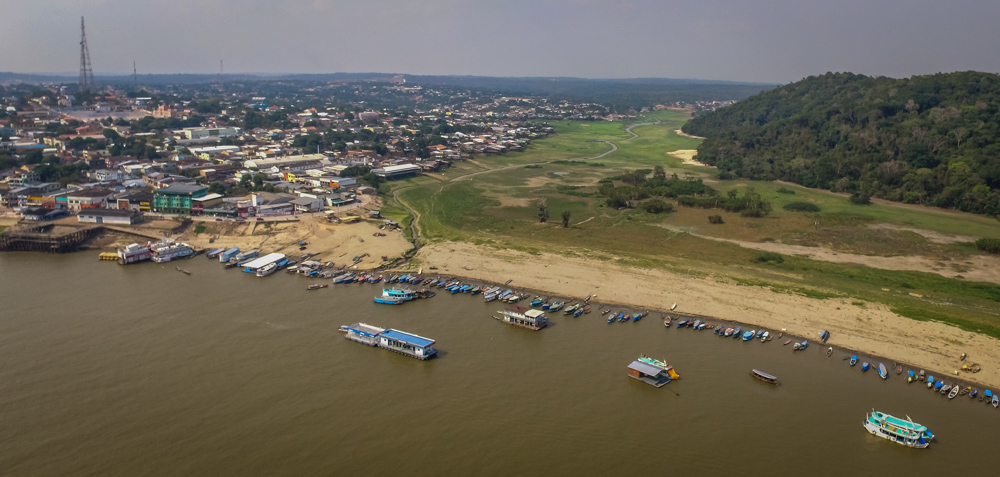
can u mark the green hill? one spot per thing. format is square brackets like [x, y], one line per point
[927, 139]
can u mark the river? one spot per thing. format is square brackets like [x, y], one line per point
[142, 370]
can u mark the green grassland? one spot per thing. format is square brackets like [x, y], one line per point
[498, 209]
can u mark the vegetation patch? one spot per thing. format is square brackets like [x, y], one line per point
[200, 228]
[801, 207]
[988, 245]
[785, 190]
[769, 257]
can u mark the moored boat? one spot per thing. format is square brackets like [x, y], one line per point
[747, 336]
[882, 372]
[824, 335]
[787, 342]
[900, 431]
[954, 392]
[865, 366]
[854, 360]
[995, 401]
[317, 286]
[973, 393]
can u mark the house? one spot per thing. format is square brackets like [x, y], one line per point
[397, 172]
[89, 198]
[304, 205]
[110, 216]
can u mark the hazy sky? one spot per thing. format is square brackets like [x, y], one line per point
[746, 40]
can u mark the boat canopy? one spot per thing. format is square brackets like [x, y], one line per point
[764, 375]
[645, 368]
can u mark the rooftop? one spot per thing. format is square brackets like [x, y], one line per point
[645, 368]
[418, 341]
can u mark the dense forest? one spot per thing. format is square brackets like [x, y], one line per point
[927, 139]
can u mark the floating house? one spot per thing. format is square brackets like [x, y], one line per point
[649, 373]
[393, 340]
[228, 254]
[262, 262]
[524, 317]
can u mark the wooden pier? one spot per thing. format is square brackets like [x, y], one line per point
[58, 238]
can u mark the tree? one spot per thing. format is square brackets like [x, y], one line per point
[111, 134]
[216, 188]
[659, 174]
[543, 210]
[657, 206]
[565, 218]
[860, 198]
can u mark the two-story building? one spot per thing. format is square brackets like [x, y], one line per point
[89, 198]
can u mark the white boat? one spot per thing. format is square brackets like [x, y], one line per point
[900, 431]
[133, 253]
[267, 269]
[672, 307]
[167, 250]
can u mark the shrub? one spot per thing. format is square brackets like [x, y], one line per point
[765, 257]
[785, 190]
[533, 166]
[860, 198]
[988, 245]
[715, 219]
[802, 207]
[656, 206]
[200, 228]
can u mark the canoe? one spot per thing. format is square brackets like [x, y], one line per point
[899, 369]
[789, 341]
[767, 378]
[882, 372]
[854, 360]
[673, 307]
[864, 366]
[829, 351]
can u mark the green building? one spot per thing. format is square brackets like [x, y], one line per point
[176, 198]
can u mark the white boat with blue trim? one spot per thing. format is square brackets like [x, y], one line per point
[900, 431]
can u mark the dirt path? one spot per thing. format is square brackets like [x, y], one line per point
[414, 225]
[682, 133]
[634, 135]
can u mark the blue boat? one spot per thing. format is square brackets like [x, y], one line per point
[881, 371]
[910, 377]
[464, 288]
[854, 360]
[938, 385]
[623, 317]
[803, 345]
[864, 366]
[224, 257]
[397, 293]
[637, 317]
[747, 336]
[536, 302]
[388, 300]
[683, 323]
[578, 312]
[988, 394]
[612, 317]
[736, 332]
[825, 335]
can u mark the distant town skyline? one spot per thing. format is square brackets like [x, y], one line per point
[774, 41]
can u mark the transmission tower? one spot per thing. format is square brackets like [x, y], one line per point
[86, 73]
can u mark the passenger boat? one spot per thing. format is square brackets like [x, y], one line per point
[556, 306]
[226, 256]
[767, 378]
[267, 269]
[570, 309]
[167, 250]
[865, 366]
[387, 299]
[536, 302]
[214, 253]
[954, 392]
[882, 372]
[854, 360]
[900, 431]
[747, 336]
[404, 295]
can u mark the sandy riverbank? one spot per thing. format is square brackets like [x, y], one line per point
[871, 330]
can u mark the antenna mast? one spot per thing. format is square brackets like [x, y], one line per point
[135, 79]
[86, 73]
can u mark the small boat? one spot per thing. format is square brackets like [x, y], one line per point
[938, 385]
[899, 369]
[803, 345]
[945, 388]
[854, 360]
[767, 378]
[696, 324]
[747, 336]
[736, 333]
[612, 317]
[910, 376]
[930, 382]
[796, 346]
[829, 351]
[758, 334]
[637, 317]
[825, 335]
[787, 342]
[623, 318]
[920, 375]
[865, 366]
[667, 322]
[954, 392]
[987, 396]
[673, 307]
[995, 401]
[578, 312]
[317, 286]
[764, 337]
[973, 393]
[882, 372]
[389, 300]
[683, 323]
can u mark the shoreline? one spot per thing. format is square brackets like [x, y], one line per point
[872, 330]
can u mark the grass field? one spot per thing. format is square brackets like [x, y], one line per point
[500, 209]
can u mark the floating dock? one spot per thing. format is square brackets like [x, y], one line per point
[397, 341]
[524, 317]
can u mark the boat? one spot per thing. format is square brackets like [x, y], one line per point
[854, 360]
[167, 250]
[930, 382]
[900, 431]
[736, 333]
[865, 366]
[995, 401]
[214, 252]
[729, 332]
[987, 396]
[910, 377]
[666, 322]
[267, 269]
[316, 286]
[612, 317]
[944, 389]
[824, 335]
[954, 392]
[696, 324]
[747, 336]
[758, 334]
[882, 372]
[920, 375]
[938, 385]
[683, 323]
[899, 369]
[636, 317]
[829, 351]
[226, 256]
[767, 378]
[245, 256]
[623, 317]
[800, 346]
[536, 302]
[787, 342]
[764, 337]
[973, 393]
[578, 312]
[673, 307]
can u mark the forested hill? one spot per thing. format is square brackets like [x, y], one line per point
[927, 139]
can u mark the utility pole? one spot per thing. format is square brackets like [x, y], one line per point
[86, 73]
[222, 83]
[135, 80]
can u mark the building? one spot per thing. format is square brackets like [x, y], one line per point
[23, 178]
[205, 133]
[289, 161]
[110, 216]
[177, 198]
[199, 204]
[140, 201]
[397, 172]
[524, 317]
[41, 213]
[89, 198]
[338, 182]
[644, 370]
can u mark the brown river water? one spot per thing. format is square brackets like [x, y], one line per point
[142, 370]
